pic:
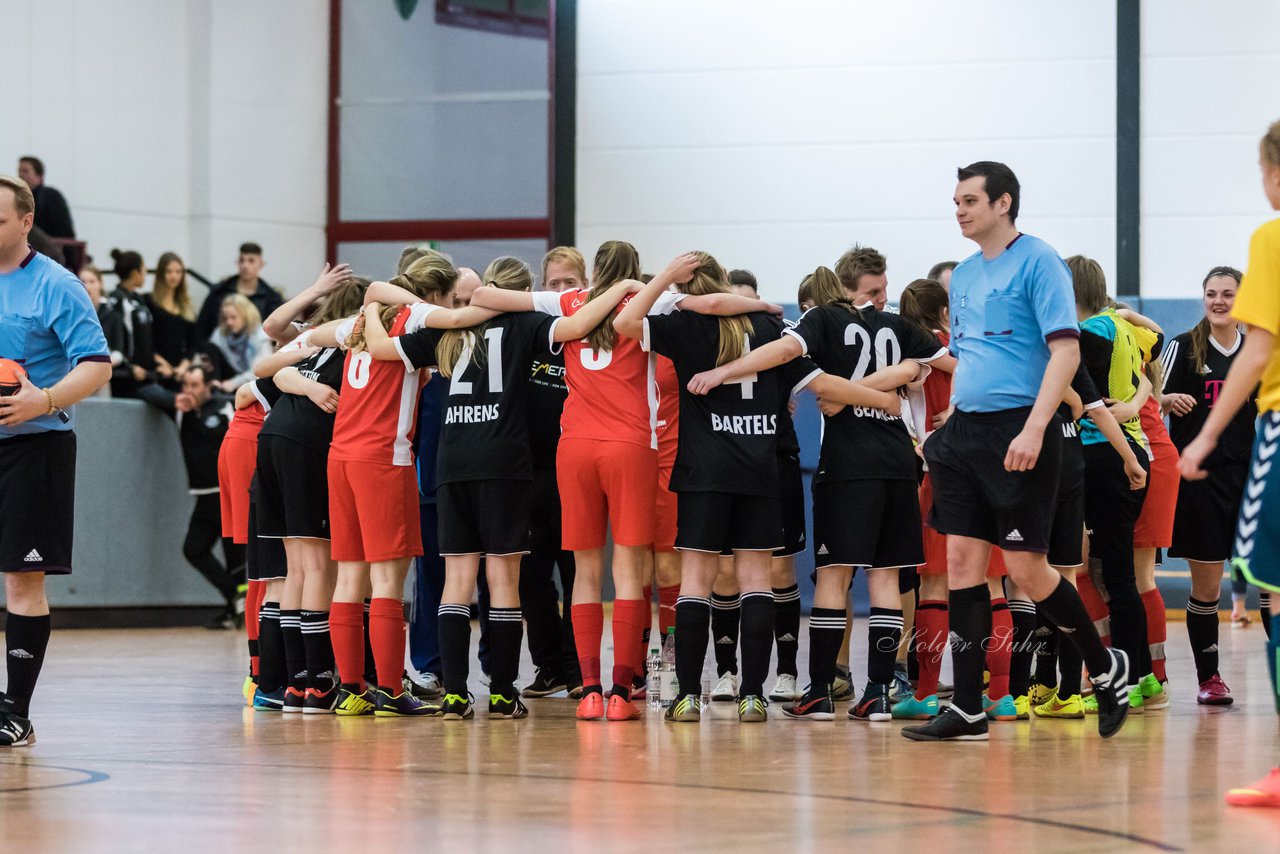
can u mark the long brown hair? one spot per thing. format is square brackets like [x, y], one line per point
[825, 289]
[161, 292]
[431, 276]
[923, 303]
[1090, 284]
[343, 301]
[710, 278]
[507, 273]
[1201, 332]
[616, 260]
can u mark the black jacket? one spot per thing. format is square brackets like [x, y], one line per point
[201, 432]
[128, 325]
[53, 217]
[266, 299]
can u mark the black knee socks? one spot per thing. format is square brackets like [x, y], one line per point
[273, 671]
[1024, 643]
[295, 651]
[970, 611]
[757, 641]
[1064, 609]
[318, 649]
[786, 627]
[506, 631]
[726, 613]
[1202, 631]
[693, 627]
[884, 635]
[826, 632]
[455, 647]
[26, 639]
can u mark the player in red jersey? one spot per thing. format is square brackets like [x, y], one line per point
[607, 466]
[373, 491]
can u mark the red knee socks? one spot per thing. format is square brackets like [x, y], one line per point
[629, 619]
[932, 626]
[386, 636]
[346, 630]
[1001, 650]
[588, 627]
[1157, 631]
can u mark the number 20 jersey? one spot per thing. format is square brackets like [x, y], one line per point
[860, 443]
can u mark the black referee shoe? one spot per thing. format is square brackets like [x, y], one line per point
[951, 725]
[1112, 692]
[15, 730]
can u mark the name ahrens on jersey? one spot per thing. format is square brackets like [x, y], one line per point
[745, 425]
[471, 414]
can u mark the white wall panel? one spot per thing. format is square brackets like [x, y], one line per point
[776, 136]
[1209, 84]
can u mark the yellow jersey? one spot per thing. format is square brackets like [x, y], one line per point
[1258, 304]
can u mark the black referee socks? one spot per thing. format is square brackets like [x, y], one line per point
[970, 611]
[1065, 610]
[757, 641]
[26, 639]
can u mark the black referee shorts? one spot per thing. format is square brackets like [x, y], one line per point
[791, 494]
[37, 502]
[973, 495]
[722, 522]
[873, 524]
[293, 489]
[1204, 522]
[488, 517]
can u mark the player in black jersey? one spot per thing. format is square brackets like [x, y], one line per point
[866, 474]
[726, 472]
[1196, 365]
[485, 473]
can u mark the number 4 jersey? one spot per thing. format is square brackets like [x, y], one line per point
[729, 437]
[860, 443]
[485, 435]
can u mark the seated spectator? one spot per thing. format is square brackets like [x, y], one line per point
[237, 344]
[53, 217]
[129, 328]
[246, 283]
[91, 278]
[174, 319]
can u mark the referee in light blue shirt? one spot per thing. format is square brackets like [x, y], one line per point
[49, 327]
[995, 462]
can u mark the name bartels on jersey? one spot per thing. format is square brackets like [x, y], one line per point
[745, 425]
[471, 414]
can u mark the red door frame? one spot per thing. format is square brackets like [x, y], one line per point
[339, 231]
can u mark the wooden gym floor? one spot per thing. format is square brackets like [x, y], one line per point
[144, 745]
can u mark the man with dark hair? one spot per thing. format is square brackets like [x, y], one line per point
[744, 282]
[203, 418]
[995, 462]
[51, 329]
[247, 283]
[53, 217]
[941, 273]
[864, 273]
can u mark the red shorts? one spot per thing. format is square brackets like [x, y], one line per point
[606, 483]
[935, 544]
[237, 460]
[664, 523]
[1155, 526]
[373, 511]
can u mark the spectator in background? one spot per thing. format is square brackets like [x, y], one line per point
[941, 273]
[246, 283]
[174, 319]
[53, 217]
[237, 344]
[91, 278]
[128, 327]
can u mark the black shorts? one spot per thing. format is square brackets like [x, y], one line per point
[264, 557]
[722, 522]
[791, 495]
[1066, 540]
[1204, 522]
[973, 495]
[873, 524]
[484, 517]
[37, 502]
[293, 489]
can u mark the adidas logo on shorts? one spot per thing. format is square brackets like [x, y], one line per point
[20, 653]
[822, 549]
[1013, 536]
[33, 556]
[726, 641]
[1211, 648]
[788, 638]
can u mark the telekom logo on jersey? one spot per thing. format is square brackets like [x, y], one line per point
[1212, 388]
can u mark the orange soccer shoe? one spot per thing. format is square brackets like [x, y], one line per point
[621, 709]
[1263, 793]
[591, 706]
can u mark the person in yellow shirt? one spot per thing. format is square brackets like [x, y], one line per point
[1257, 546]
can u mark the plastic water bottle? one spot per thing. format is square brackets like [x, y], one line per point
[653, 679]
[670, 688]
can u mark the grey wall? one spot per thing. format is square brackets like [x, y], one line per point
[132, 508]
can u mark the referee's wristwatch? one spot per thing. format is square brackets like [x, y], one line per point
[53, 407]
